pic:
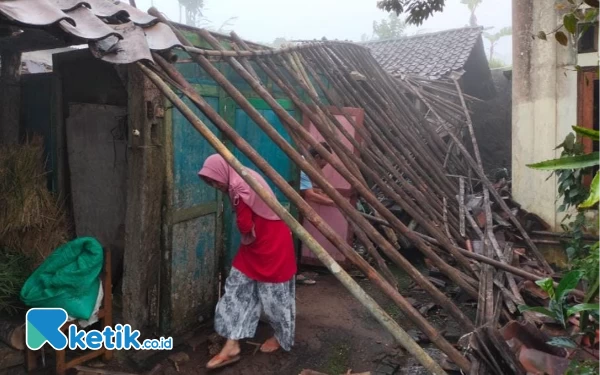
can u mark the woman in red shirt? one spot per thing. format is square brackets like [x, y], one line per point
[263, 270]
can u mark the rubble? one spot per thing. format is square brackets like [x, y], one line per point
[419, 185]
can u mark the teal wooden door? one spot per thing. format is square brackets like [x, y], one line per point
[250, 131]
[194, 226]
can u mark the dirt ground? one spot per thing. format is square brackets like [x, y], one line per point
[334, 333]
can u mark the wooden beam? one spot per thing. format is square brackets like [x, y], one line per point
[10, 96]
[143, 213]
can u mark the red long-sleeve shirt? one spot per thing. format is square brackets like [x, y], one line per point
[270, 258]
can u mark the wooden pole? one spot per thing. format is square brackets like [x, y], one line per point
[379, 314]
[342, 203]
[294, 126]
[12, 333]
[473, 164]
[307, 211]
[10, 96]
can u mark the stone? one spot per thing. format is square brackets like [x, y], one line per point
[180, 357]
[10, 357]
[196, 341]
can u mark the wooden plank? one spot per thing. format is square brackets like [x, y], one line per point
[494, 353]
[193, 234]
[13, 333]
[585, 108]
[97, 160]
[193, 212]
[10, 357]
[143, 216]
[10, 96]
[92, 370]
[461, 205]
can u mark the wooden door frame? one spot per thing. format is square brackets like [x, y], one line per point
[585, 104]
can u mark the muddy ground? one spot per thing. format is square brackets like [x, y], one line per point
[334, 333]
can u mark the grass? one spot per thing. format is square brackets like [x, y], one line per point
[338, 362]
[14, 270]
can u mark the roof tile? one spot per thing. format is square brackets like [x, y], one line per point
[433, 54]
[90, 21]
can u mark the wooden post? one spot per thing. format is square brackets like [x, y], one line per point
[141, 259]
[10, 96]
[306, 210]
[376, 311]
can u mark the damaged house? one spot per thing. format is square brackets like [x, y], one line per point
[132, 116]
[459, 53]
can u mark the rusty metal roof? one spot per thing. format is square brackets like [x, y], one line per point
[115, 31]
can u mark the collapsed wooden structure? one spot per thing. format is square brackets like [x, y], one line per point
[402, 153]
[412, 156]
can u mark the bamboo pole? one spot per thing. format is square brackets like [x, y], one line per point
[473, 164]
[378, 313]
[481, 258]
[377, 116]
[396, 108]
[342, 203]
[266, 52]
[311, 215]
[368, 158]
[459, 279]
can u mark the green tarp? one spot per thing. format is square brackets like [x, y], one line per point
[68, 279]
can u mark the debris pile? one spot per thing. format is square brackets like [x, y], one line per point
[419, 185]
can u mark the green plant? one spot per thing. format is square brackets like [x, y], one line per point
[582, 368]
[576, 247]
[14, 270]
[560, 310]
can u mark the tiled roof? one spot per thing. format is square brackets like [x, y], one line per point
[115, 31]
[431, 55]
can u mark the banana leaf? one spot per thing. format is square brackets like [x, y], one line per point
[570, 162]
[594, 196]
[586, 132]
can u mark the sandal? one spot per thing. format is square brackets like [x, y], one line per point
[301, 279]
[265, 349]
[225, 361]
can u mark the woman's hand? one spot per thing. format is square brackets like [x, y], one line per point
[248, 238]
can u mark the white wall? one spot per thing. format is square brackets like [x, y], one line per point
[544, 108]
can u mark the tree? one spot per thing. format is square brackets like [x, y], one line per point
[494, 38]
[472, 5]
[278, 42]
[417, 10]
[392, 27]
[575, 14]
[193, 11]
[496, 63]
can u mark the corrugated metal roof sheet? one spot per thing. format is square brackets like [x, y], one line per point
[115, 31]
[431, 55]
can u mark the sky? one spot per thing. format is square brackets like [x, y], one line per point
[265, 20]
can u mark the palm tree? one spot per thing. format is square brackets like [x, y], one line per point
[494, 38]
[472, 4]
[193, 11]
